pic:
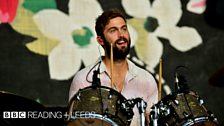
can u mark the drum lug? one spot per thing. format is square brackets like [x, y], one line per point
[176, 102]
[78, 96]
[128, 105]
[185, 114]
[110, 96]
[200, 101]
[212, 117]
[164, 110]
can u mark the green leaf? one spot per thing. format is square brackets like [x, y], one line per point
[38, 5]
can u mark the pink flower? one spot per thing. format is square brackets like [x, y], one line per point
[8, 10]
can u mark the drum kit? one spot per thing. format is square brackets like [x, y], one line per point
[104, 106]
[98, 105]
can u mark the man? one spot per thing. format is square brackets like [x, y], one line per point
[130, 80]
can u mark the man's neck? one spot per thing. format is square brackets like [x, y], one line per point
[119, 66]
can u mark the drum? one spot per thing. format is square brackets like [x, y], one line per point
[99, 106]
[182, 109]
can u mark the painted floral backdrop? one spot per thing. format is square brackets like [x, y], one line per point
[44, 42]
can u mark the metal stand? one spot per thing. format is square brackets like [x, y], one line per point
[154, 115]
[141, 104]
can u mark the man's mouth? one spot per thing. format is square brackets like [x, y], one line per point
[121, 42]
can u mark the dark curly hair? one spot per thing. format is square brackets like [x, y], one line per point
[103, 19]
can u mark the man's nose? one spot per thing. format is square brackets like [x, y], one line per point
[120, 33]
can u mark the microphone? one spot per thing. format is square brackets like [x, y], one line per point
[95, 77]
[180, 81]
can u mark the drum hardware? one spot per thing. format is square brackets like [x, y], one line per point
[154, 115]
[212, 116]
[127, 105]
[99, 105]
[186, 115]
[200, 101]
[78, 96]
[110, 94]
[164, 110]
[156, 110]
[186, 109]
[180, 80]
[182, 107]
[176, 102]
[141, 104]
[95, 78]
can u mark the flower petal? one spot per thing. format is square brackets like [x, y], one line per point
[142, 5]
[24, 24]
[133, 34]
[64, 61]
[84, 12]
[147, 46]
[168, 12]
[91, 53]
[150, 51]
[183, 38]
[58, 25]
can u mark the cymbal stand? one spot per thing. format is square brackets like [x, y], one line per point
[141, 107]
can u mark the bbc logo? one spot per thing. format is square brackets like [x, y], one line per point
[14, 114]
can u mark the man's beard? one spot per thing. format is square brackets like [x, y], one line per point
[118, 53]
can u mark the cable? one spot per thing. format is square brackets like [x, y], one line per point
[95, 66]
[91, 70]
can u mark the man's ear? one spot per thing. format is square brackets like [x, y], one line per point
[100, 40]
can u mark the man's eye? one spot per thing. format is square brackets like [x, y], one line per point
[125, 29]
[112, 30]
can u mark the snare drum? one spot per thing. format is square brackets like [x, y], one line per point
[98, 106]
[182, 109]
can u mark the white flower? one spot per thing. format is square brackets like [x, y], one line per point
[168, 13]
[66, 58]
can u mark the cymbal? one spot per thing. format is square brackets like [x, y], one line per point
[217, 79]
[15, 102]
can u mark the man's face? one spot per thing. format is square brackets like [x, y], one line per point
[116, 32]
